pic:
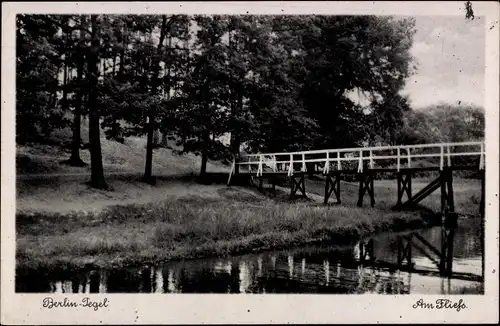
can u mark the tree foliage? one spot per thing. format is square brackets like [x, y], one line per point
[267, 83]
[443, 123]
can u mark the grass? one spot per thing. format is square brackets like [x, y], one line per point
[189, 227]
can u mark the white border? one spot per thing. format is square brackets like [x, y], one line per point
[188, 308]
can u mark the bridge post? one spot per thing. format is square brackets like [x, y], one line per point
[404, 186]
[366, 184]
[251, 182]
[482, 204]
[332, 185]
[449, 221]
[298, 185]
[482, 209]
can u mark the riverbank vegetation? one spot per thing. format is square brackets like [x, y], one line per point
[228, 221]
[180, 219]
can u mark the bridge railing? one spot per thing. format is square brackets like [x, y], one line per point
[396, 157]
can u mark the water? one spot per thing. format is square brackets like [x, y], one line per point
[318, 269]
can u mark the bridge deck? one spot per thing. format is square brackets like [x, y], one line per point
[353, 171]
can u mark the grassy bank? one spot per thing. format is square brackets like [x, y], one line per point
[128, 157]
[226, 221]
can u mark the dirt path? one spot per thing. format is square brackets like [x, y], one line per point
[26, 176]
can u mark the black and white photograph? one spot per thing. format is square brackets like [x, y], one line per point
[173, 152]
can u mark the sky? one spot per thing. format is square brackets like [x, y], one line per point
[450, 56]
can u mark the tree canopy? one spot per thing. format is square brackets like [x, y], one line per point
[269, 83]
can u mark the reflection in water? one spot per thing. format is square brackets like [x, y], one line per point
[305, 270]
[244, 276]
[326, 266]
[158, 281]
[290, 266]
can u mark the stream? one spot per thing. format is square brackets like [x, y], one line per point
[312, 269]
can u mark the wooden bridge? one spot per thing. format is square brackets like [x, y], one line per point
[365, 163]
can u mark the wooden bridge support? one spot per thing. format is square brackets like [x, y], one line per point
[332, 185]
[447, 198]
[482, 204]
[298, 185]
[447, 239]
[404, 186]
[251, 180]
[366, 184]
[404, 253]
[449, 221]
[261, 182]
[482, 209]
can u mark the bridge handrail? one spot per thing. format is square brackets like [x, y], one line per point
[357, 149]
[445, 152]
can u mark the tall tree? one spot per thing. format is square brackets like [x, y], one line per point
[76, 47]
[166, 25]
[203, 118]
[97, 171]
[345, 54]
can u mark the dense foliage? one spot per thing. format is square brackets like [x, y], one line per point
[269, 83]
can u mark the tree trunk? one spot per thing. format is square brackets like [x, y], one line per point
[205, 133]
[65, 85]
[97, 171]
[53, 95]
[149, 152]
[204, 156]
[75, 159]
[121, 68]
[148, 174]
[166, 94]
[204, 160]
[236, 107]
